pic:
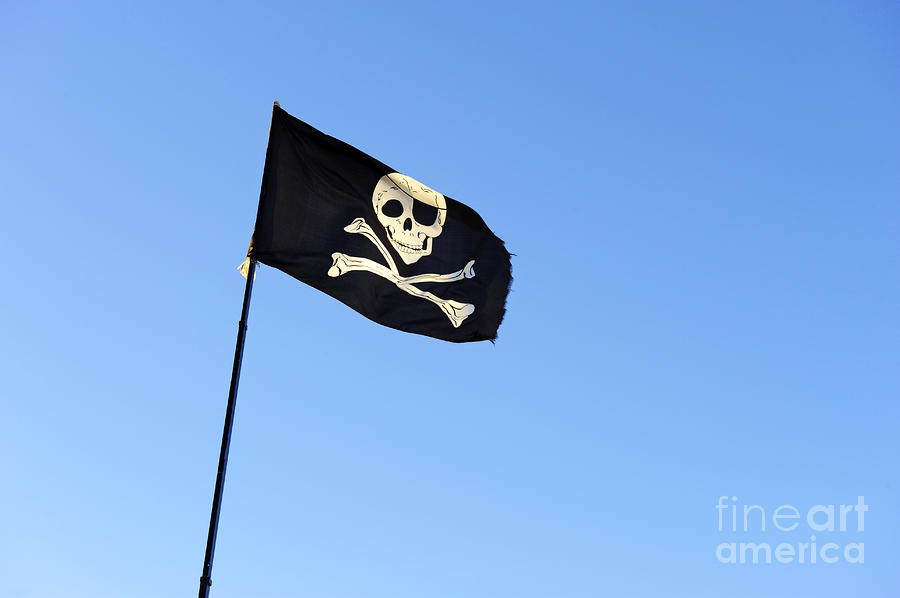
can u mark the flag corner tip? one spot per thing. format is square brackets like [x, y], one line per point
[244, 268]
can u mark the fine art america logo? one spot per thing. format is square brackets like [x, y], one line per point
[819, 534]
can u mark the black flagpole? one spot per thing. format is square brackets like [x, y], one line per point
[206, 579]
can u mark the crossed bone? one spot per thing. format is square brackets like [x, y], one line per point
[342, 263]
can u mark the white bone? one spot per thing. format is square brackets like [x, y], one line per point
[362, 227]
[467, 272]
[343, 263]
[456, 311]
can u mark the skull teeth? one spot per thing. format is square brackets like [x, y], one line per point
[403, 246]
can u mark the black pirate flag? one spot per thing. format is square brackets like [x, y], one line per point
[393, 249]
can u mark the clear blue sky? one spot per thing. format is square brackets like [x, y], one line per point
[702, 199]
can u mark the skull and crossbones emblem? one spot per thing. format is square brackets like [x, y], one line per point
[413, 216]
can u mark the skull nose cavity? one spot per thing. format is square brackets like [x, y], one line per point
[407, 224]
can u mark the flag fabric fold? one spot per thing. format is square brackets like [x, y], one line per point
[381, 242]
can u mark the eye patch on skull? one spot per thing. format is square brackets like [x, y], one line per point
[424, 213]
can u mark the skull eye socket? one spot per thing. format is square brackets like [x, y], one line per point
[392, 209]
[424, 214]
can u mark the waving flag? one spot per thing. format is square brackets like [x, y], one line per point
[388, 246]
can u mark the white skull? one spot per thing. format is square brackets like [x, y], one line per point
[412, 214]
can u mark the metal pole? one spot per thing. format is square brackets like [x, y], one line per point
[206, 579]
